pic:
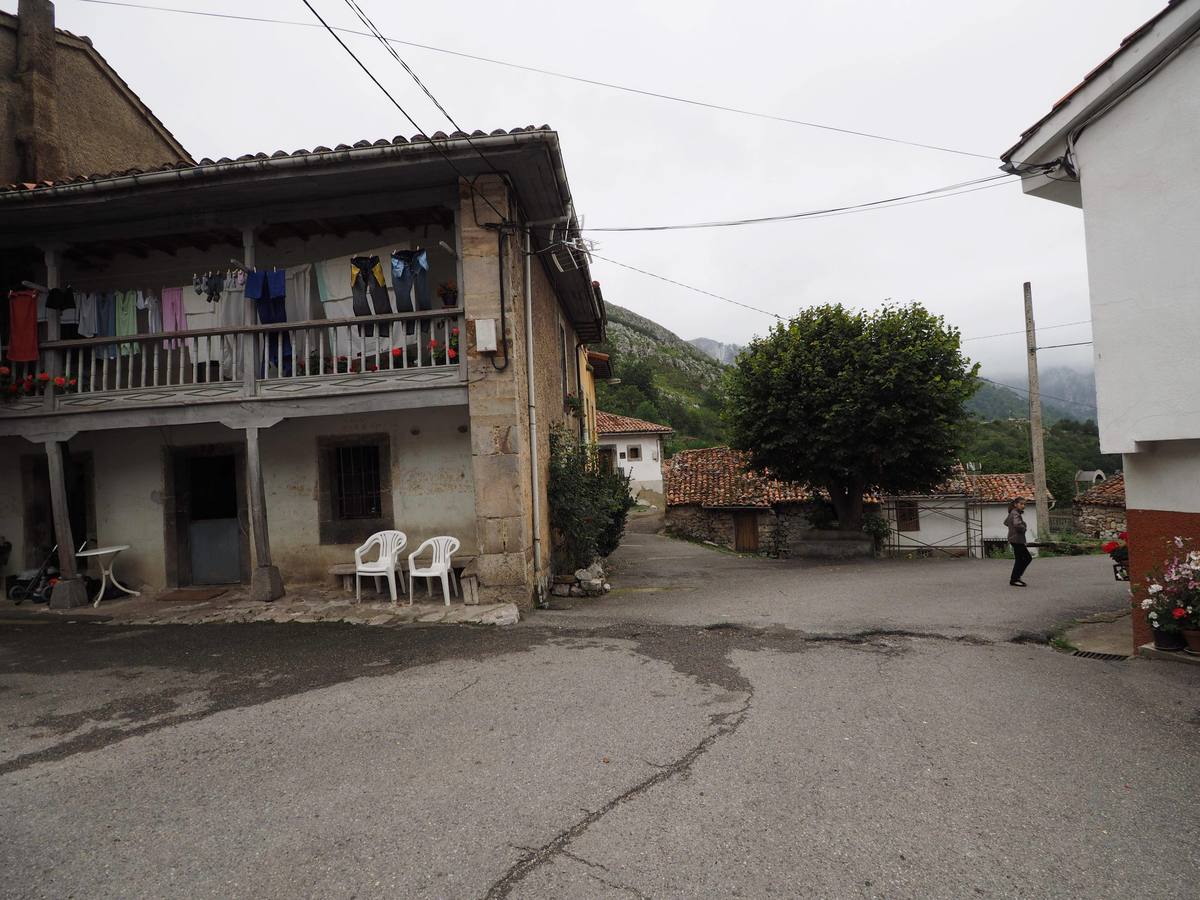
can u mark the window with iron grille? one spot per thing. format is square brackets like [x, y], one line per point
[356, 491]
[908, 515]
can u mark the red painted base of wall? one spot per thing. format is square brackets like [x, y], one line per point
[1152, 534]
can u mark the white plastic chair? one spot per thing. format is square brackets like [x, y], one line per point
[390, 544]
[443, 548]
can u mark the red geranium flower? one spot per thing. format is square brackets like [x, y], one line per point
[73, 382]
[454, 331]
[5, 370]
[433, 343]
[43, 376]
[60, 381]
[1110, 546]
[452, 353]
[1179, 612]
[397, 352]
[1124, 535]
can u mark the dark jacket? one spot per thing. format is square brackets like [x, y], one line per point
[1016, 526]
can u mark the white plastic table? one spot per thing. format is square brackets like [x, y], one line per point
[106, 556]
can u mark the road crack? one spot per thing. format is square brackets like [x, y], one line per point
[557, 845]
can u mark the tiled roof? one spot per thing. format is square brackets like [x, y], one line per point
[609, 423]
[1106, 493]
[718, 476]
[316, 152]
[999, 488]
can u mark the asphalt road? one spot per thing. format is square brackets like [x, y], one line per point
[721, 727]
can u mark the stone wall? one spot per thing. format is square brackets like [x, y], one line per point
[1099, 521]
[781, 531]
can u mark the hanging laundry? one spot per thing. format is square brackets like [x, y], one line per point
[106, 323]
[173, 316]
[88, 321]
[60, 299]
[268, 290]
[367, 278]
[23, 336]
[410, 273]
[126, 324]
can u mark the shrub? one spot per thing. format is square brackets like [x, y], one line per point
[588, 506]
[877, 527]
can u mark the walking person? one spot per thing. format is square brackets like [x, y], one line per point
[1015, 520]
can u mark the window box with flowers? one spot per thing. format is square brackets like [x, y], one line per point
[1172, 600]
[13, 388]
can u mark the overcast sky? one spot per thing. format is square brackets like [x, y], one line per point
[965, 75]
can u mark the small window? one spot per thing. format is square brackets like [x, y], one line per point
[908, 515]
[634, 452]
[356, 482]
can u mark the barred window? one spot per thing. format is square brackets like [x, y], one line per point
[356, 490]
[908, 515]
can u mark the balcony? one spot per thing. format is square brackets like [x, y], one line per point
[241, 374]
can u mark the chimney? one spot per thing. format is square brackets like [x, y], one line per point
[39, 153]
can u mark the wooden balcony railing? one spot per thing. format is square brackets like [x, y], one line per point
[242, 361]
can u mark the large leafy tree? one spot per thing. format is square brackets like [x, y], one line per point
[849, 401]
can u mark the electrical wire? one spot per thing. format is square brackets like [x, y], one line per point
[951, 190]
[396, 103]
[551, 73]
[1026, 392]
[984, 337]
[1057, 346]
[688, 286]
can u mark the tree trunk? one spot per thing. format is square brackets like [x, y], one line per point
[847, 500]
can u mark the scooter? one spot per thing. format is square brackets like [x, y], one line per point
[36, 584]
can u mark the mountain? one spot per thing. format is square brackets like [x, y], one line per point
[664, 379]
[725, 354]
[1066, 394]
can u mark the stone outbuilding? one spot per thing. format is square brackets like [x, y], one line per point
[712, 495]
[1100, 512]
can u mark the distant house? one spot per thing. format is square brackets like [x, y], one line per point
[1086, 479]
[713, 496]
[1100, 512]
[962, 517]
[634, 446]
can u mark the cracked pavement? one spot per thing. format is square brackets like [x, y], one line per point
[715, 727]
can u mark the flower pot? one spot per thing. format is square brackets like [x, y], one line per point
[1168, 640]
[449, 301]
[1191, 637]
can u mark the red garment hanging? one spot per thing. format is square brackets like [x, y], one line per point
[22, 315]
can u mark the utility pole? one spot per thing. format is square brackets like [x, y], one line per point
[1036, 436]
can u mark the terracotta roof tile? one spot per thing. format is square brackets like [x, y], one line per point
[610, 423]
[718, 476]
[247, 157]
[1106, 493]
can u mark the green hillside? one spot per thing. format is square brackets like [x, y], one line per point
[663, 379]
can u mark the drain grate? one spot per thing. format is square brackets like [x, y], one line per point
[1088, 654]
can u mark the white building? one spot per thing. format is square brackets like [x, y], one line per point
[964, 517]
[634, 446]
[1122, 146]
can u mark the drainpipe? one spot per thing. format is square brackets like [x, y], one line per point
[534, 473]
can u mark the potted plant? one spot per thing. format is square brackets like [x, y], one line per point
[448, 291]
[1118, 552]
[1172, 601]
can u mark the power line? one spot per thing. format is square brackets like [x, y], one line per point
[396, 103]
[1025, 391]
[688, 286]
[1057, 346]
[576, 78]
[984, 337]
[950, 190]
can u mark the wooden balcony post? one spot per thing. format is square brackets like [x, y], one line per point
[70, 590]
[265, 582]
[53, 329]
[249, 343]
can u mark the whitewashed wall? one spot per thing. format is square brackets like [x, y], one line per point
[432, 487]
[646, 473]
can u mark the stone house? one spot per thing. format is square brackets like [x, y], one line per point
[1100, 512]
[635, 447]
[225, 450]
[712, 495]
